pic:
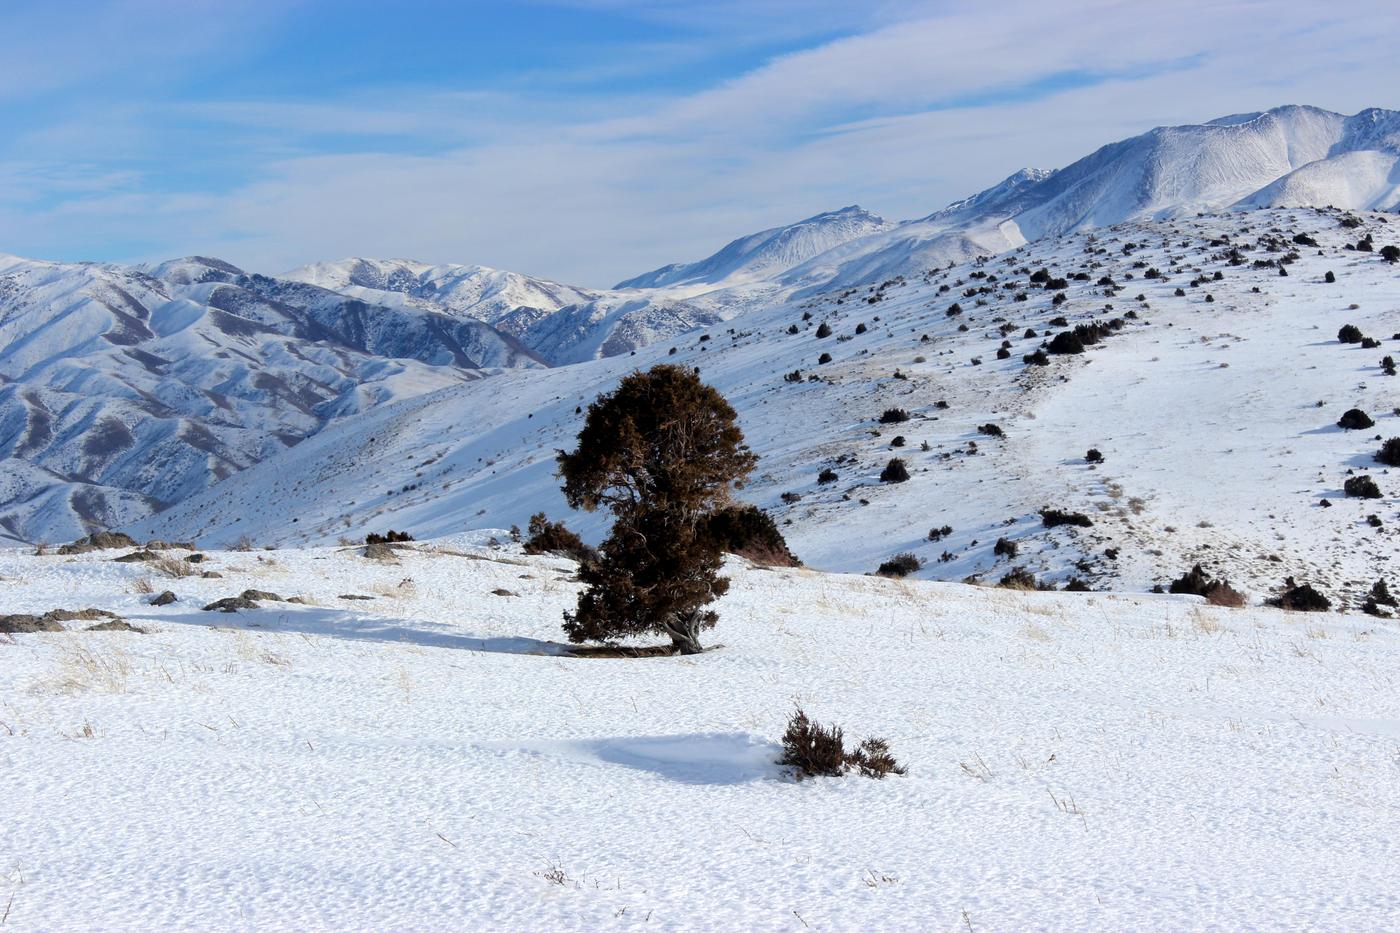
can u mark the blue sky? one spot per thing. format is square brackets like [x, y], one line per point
[587, 140]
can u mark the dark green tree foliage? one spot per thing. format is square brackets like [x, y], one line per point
[662, 452]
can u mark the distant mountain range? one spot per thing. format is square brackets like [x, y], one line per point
[124, 389]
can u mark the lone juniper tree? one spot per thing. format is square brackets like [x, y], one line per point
[662, 453]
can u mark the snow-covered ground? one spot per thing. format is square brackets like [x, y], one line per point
[426, 759]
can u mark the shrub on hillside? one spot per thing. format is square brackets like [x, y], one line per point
[1390, 253]
[1299, 598]
[1361, 487]
[389, 537]
[1381, 593]
[896, 471]
[1197, 582]
[547, 537]
[751, 533]
[1053, 518]
[1349, 333]
[900, 565]
[894, 416]
[1389, 454]
[1354, 419]
[1066, 342]
[1018, 578]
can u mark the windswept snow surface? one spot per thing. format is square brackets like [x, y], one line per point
[1215, 412]
[426, 759]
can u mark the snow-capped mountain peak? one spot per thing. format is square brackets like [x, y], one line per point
[766, 253]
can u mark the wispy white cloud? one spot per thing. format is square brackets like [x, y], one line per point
[927, 103]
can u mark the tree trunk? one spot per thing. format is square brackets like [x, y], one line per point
[684, 630]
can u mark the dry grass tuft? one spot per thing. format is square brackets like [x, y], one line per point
[173, 566]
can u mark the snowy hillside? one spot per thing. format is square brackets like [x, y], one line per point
[1215, 411]
[421, 756]
[125, 389]
[509, 300]
[767, 253]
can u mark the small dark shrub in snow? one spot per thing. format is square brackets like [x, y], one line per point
[824, 359]
[1053, 518]
[1066, 342]
[547, 537]
[813, 749]
[794, 376]
[1390, 253]
[1018, 578]
[860, 328]
[1354, 419]
[1038, 358]
[900, 565]
[820, 751]
[1076, 585]
[1381, 593]
[991, 430]
[827, 475]
[1370, 343]
[1349, 333]
[1361, 487]
[750, 532]
[1330, 278]
[894, 416]
[895, 471]
[938, 534]
[1373, 608]
[823, 331]
[1004, 548]
[1059, 322]
[1216, 592]
[898, 441]
[873, 759]
[1389, 454]
[1299, 598]
[1303, 239]
[389, 537]
[1003, 353]
[1093, 456]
